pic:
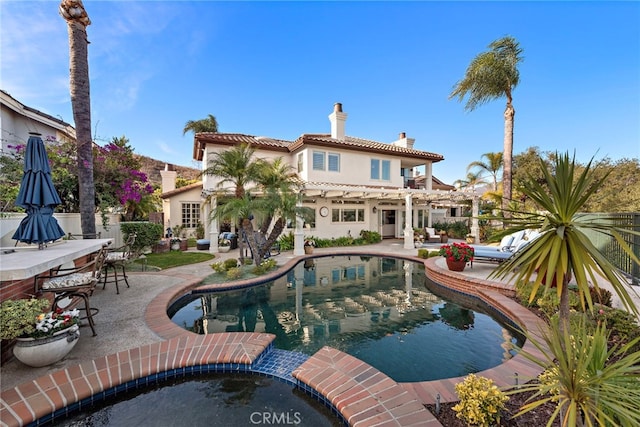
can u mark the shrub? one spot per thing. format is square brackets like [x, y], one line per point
[370, 237]
[234, 273]
[523, 293]
[147, 233]
[619, 323]
[590, 383]
[549, 302]
[600, 296]
[266, 265]
[434, 254]
[286, 241]
[230, 263]
[423, 253]
[480, 401]
[218, 267]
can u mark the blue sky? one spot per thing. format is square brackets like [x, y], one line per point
[276, 69]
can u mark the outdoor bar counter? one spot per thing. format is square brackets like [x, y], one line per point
[25, 262]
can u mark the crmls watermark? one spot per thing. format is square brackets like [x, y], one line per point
[276, 418]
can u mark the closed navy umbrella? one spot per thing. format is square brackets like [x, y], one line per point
[38, 197]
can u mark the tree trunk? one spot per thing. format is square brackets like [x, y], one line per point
[509, 115]
[563, 309]
[247, 228]
[77, 21]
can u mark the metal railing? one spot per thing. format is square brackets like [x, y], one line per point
[610, 248]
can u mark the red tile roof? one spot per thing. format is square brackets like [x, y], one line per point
[324, 140]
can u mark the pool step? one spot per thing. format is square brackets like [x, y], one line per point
[280, 363]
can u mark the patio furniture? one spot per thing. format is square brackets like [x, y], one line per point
[72, 236]
[118, 258]
[509, 246]
[430, 235]
[75, 284]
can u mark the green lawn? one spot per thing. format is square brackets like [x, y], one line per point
[171, 259]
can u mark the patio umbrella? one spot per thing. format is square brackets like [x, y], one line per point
[38, 197]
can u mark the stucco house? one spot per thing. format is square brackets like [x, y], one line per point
[18, 120]
[352, 184]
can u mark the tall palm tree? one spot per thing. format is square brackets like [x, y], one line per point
[563, 250]
[77, 22]
[210, 124]
[492, 165]
[492, 75]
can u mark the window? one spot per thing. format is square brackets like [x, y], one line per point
[386, 170]
[334, 162]
[190, 215]
[318, 160]
[300, 162]
[347, 215]
[309, 222]
[375, 169]
[381, 169]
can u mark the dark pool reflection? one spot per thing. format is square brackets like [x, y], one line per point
[381, 310]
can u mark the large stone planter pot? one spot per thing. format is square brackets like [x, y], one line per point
[39, 352]
[224, 249]
[184, 245]
[456, 265]
[308, 250]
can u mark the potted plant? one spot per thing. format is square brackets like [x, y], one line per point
[444, 237]
[457, 255]
[42, 337]
[224, 244]
[309, 244]
[470, 238]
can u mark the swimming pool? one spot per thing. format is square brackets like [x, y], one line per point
[208, 400]
[378, 309]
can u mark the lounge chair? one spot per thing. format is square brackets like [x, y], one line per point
[508, 247]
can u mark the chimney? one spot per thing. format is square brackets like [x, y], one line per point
[403, 141]
[168, 176]
[337, 119]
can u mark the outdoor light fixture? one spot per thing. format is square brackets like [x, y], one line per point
[375, 210]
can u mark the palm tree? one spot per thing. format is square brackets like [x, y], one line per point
[282, 196]
[562, 250]
[492, 166]
[77, 21]
[471, 180]
[236, 167]
[210, 124]
[493, 75]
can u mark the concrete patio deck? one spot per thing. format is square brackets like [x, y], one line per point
[136, 339]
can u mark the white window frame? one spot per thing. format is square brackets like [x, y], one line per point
[324, 160]
[336, 157]
[190, 214]
[380, 169]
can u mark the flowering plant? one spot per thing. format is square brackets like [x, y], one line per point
[224, 242]
[27, 318]
[310, 242]
[457, 252]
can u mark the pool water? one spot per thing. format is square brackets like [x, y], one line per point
[210, 400]
[377, 309]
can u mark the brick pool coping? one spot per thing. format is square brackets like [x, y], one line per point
[363, 395]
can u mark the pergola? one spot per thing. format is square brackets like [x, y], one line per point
[410, 197]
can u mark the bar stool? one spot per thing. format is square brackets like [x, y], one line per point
[118, 258]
